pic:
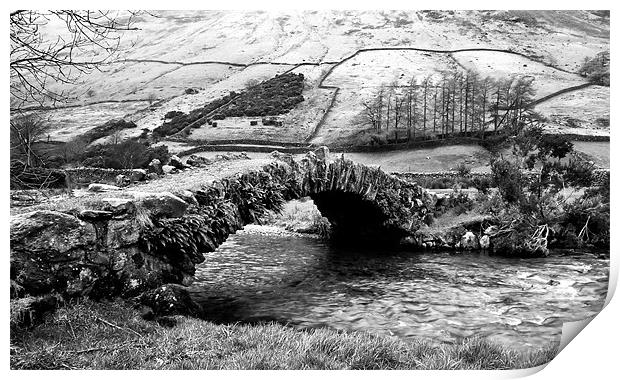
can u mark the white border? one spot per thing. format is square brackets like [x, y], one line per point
[593, 354]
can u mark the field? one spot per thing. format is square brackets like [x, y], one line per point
[68, 123]
[547, 80]
[186, 102]
[419, 160]
[218, 52]
[444, 158]
[583, 112]
[599, 151]
[298, 124]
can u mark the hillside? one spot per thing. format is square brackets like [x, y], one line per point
[344, 56]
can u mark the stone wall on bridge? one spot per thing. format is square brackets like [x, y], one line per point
[140, 241]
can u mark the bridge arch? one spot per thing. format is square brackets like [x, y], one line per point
[364, 204]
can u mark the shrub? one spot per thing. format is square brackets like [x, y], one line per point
[107, 129]
[589, 219]
[596, 69]
[509, 180]
[196, 118]
[130, 154]
[457, 202]
[482, 184]
[173, 114]
[572, 122]
[275, 96]
[557, 146]
[463, 169]
[602, 121]
[441, 183]
[579, 173]
[494, 143]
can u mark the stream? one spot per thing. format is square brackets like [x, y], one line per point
[266, 274]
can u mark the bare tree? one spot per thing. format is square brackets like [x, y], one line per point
[467, 87]
[425, 83]
[455, 79]
[486, 82]
[413, 118]
[373, 109]
[389, 108]
[26, 131]
[39, 57]
[435, 108]
[399, 105]
[498, 94]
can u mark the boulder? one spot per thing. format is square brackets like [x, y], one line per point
[485, 242]
[167, 169]
[161, 205]
[47, 249]
[137, 175]
[83, 283]
[171, 299]
[119, 206]
[102, 187]
[198, 161]
[491, 230]
[187, 196]
[322, 153]
[469, 241]
[122, 180]
[155, 167]
[177, 163]
[152, 176]
[123, 233]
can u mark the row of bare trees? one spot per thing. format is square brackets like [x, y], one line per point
[460, 102]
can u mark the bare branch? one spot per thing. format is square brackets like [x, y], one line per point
[40, 59]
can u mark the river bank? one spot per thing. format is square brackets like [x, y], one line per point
[112, 335]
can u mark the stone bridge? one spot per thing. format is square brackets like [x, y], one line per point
[135, 241]
[363, 204]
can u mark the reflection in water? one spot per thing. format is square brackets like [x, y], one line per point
[522, 303]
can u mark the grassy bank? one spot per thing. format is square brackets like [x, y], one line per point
[112, 335]
[302, 216]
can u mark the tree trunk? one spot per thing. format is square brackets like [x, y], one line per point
[387, 121]
[435, 111]
[473, 107]
[496, 109]
[453, 103]
[425, 97]
[466, 102]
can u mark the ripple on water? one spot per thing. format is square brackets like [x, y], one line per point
[264, 273]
